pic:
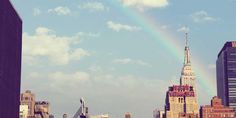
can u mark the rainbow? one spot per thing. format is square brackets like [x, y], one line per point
[163, 37]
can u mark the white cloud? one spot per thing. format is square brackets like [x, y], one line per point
[36, 11]
[142, 4]
[78, 76]
[106, 87]
[94, 6]
[60, 10]
[183, 29]
[131, 61]
[78, 53]
[89, 34]
[118, 27]
[46, 44]
[202, 16]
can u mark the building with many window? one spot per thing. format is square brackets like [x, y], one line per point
[10, 60]
[42, 109]
[216, 110]
[24, 111]
[226, 74]
[181, 100]
[28, 98]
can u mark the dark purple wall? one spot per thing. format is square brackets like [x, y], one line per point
[10, 60]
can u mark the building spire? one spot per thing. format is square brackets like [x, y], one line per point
[186, 51]
[186, 39]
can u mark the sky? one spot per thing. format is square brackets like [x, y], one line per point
[119, 55]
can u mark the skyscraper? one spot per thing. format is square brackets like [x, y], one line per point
[10, 60]
[181, 100]
[226, 74]
[28, 98]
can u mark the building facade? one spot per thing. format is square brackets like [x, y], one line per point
[158, 113]
[181, 100]
[24, 111]
[10, 60]
[216, 110]
[226, 74]
[42, 109]
[100, 116]
[28, 98]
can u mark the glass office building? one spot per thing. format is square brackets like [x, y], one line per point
[10, 60]
[226, 74]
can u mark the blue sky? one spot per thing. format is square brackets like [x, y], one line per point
[95, 49]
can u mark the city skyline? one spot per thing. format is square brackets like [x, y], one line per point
[119, 53]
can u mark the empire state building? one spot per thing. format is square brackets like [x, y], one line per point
[187, 75]
[181, 100]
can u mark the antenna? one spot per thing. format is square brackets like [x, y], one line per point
[186, 40]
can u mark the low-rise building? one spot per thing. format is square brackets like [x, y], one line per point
[100, 116]
[216, 110]
[158, 113]
[28, 98]
[41, 109]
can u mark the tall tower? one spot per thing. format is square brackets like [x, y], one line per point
[181, 100]
[10, 60]
[187, 75]
[226, 74]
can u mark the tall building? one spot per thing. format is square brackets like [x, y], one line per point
[41, 109]
[181, 100]
[10, 60]
[216, 110]
[226, 74]
[127, 115]
[187, 75]
[28, 98]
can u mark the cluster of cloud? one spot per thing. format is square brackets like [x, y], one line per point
[183, 29]
[94, 6]
[106, 86]
[118, 27]
[63, 10]
[45, 43]
[202, 16]
[60, 10]
[131, 61]
[143, 4]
